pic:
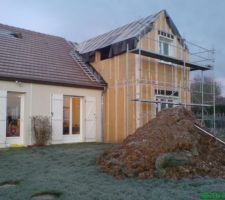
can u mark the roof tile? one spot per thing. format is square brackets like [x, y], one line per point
[40, 57]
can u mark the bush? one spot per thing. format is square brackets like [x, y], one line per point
[42, 129]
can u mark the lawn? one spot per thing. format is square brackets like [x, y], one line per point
[70, 171]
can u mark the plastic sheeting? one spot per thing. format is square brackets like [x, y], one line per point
[116, 41]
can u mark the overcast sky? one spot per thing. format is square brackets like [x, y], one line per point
[199, 21]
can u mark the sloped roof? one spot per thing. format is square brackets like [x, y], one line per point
[128, 32]
[35, 57]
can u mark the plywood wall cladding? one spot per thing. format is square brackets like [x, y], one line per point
[131, 76]
[118, 109]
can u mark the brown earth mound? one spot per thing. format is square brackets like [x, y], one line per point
[168, 146]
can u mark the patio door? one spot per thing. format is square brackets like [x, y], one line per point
[72, 131]
[14, 118]
[3, 103]
[165, 102]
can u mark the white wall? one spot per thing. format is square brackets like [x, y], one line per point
[37, 101]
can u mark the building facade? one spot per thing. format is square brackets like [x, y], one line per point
[147, 68]
[41, 76]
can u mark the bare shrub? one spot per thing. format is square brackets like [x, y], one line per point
[42, 129]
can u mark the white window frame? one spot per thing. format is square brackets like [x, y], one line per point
[71, 115]
[165, 99]
[17, 139]
[170, 43]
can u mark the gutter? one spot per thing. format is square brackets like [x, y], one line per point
[27, 80]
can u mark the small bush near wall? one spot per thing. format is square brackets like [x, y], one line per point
[42, 129]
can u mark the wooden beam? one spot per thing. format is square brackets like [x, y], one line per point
[173, 60]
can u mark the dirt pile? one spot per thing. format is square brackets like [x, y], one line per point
[168, 146]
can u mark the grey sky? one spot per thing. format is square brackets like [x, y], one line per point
[199, 21]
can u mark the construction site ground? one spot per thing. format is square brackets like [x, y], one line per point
[169, 146]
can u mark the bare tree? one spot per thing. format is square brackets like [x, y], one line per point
[207, 87]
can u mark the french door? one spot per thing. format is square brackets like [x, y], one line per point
[71, 116]
[14, 117]
[165, 102]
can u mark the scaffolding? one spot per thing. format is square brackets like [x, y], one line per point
[196, 88]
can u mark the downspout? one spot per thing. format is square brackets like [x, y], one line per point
[103, 113]
[31, 113]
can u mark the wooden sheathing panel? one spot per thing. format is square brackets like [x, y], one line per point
[131, 93]
[167, 76]
[152, 66]
[112, 115]
[143, 87]
[106, 120]
[146, 89]
[119, 98]
[148, 73]
[121, 125]
[120, 111]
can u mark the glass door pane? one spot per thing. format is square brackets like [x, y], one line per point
[75, 115]
[66, 115]
[163, 105]
[165, 48]
[171, 103]
[13, 114]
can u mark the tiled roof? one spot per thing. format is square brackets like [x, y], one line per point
[36, 57]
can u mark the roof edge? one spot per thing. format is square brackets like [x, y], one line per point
[117, 47]
[52, 83]
[86, 67]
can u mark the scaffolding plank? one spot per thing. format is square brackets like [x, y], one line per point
[172, 103]
[173, 60]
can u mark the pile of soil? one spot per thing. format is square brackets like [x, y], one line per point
[168, 146]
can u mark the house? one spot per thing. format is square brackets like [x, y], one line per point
[101, 89]
[42, 75]
[147, 65]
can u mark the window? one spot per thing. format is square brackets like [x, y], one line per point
[166, 99]
[167, 93]
[105, 53]
[71, 115]
[165, 46]
[168, 35]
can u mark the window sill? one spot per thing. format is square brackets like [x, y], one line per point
[165, 62]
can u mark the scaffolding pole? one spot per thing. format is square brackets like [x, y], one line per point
[214, 102]
[127, 93]
[202, 93]
[178, 61]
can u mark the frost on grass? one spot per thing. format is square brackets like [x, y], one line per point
[71, 169]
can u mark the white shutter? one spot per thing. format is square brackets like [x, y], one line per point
[57, 118]
[3, 110]
[90, 120]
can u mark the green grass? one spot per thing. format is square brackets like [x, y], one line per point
[71, 172]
